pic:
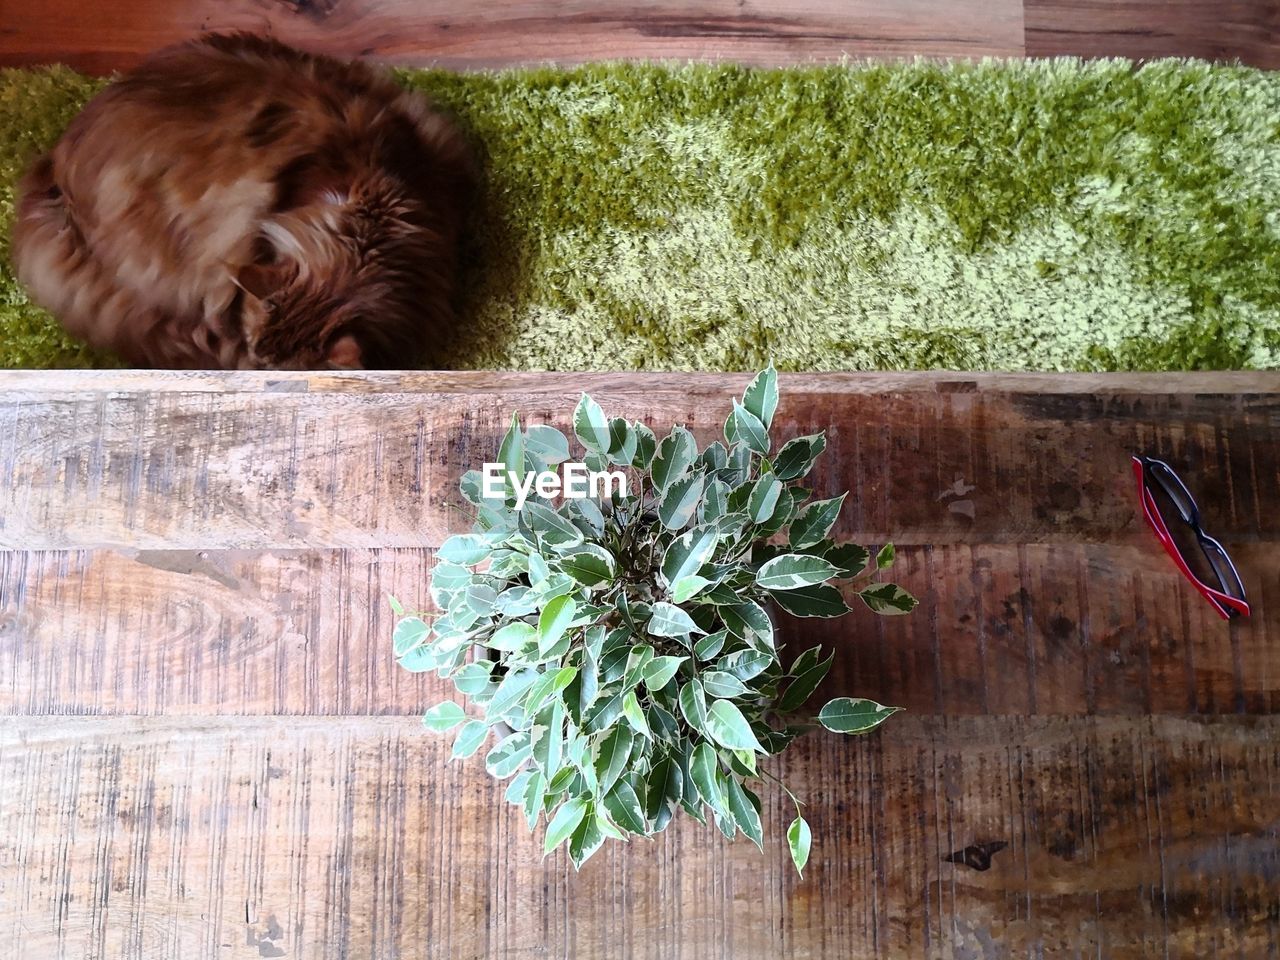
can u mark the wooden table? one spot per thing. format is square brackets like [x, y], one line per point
[206, 749]
[113, 34]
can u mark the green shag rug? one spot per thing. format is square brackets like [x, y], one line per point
[1052, 215]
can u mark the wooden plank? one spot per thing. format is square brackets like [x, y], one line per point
[287, 469]
[1003, 629]
[1244, 30]
[326, 838]
[102, 37]
[494, 33]
[188, 632]
[552, 386]
[206, 750]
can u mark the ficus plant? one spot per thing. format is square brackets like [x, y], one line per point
[621, 648]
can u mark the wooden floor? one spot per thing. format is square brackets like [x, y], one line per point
[206, 750]
[110, 34]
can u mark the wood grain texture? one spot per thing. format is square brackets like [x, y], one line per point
[302, 463]
[1005, 629]
[324, 838]
[206, 750]
[1244, 30]
[487, 33]
[99, 38]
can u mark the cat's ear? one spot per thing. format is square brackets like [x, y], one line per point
[261, 280]
[344, 353]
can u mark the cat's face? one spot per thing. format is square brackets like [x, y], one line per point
[336, 286]
[301, 324]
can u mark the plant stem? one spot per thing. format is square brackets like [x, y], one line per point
[794, 799]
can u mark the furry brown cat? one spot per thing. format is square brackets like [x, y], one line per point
[237, 203]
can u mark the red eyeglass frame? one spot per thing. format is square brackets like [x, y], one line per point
[1228, 607]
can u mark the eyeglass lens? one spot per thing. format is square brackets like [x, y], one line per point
[1177, 495]
[1223, 568]
[1184, 537]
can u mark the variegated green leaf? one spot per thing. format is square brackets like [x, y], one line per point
[799, 839]
[591, 426]
[564, 822]
[547, 444]
[443, 716]
[635, 716]
[554, 620]
[675, 455]
[847, 715]
[688, 552]
[747, 429]
[792, 571]
[729, 728]
[888, 599]
[814, 522]
[469, 738]
[669, 620]
[761, 396]
[680, 501]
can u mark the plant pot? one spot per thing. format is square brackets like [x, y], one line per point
[500, 728]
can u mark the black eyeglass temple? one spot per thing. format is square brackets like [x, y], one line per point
[1228, 576]
[1175, 489]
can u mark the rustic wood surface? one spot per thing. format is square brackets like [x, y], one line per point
[206, 750]
[1245, 30]
[489, 33]
[100, 37]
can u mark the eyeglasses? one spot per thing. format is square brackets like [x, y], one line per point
[1161, 492]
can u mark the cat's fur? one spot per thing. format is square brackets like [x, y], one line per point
[236, 203]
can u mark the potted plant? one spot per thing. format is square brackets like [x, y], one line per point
[622, 644]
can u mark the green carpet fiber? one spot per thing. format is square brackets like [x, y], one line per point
[1051, 215]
